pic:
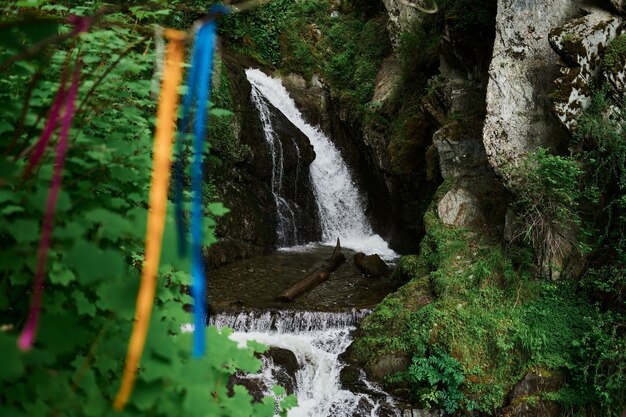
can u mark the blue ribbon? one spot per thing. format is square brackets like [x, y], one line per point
[199, 87]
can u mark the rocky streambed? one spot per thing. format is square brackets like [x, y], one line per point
[306, 337]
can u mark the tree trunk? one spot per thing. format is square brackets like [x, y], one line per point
[316, 277]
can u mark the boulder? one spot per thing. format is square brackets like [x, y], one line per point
[460, 154]
[521, 76]
[388, 364]
[414, 412]
[284, 358]
[371, 265]
[580, 43]
[286, 367]
[461, 208]
[310, 97]
[526, 399]
[387, 79]
[255, 386]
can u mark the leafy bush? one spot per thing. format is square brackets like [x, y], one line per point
[615, 54]
[547, 195]
[88, 310]
[442, 376]
[302, 37]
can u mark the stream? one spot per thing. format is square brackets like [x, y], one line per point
[306, 336]
[316, 327]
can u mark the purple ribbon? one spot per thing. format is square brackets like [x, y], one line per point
[30, 330]
[48, 130]
[64, 99]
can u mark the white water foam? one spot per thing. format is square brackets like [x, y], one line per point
[316, 339]
[340, 208]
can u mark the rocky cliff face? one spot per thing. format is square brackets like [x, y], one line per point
[245, 188]
[581, 43]
[521, 75]
[396, 198]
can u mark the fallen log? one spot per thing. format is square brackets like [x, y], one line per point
[316, 277]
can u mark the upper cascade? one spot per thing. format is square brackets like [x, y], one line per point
[340, 207]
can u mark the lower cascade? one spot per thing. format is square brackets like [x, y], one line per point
[316, 339]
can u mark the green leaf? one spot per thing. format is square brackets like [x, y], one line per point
[39, 199]
[5, 127]
[93, 264]
[72, 336]
[83, 305]
[8, 195]
[61, 276]
[12, 366]
[11, 209]
[145, 395]
[113, 225]
[218, 209]
[195, 399]
[257, 347]
[220, 112]
[278, 390]
[25, 230]
[118, 296]
[30, 3]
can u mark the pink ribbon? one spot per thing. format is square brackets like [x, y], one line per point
[48, 130]
[27, 336]
[64, 99]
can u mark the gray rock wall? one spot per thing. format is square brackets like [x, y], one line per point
[581, 43]
[250, 227]
[400, 19]
[521, 77]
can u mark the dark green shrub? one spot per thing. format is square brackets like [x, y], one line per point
[547, 196]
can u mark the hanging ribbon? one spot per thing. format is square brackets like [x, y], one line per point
[27, 336]
[164, 136]
[48, 130]
[199, 87]
[64, 100]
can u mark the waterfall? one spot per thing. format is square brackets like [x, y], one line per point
[339, 204]
[287, 228]
[316, 339]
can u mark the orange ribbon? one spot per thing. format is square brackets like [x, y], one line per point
[164, 137]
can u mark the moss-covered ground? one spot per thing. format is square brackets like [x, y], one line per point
[475, 321]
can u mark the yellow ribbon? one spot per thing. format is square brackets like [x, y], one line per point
[163, 139]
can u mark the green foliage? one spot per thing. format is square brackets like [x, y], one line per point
[96, 253]
[302, 37]
[615, 54]
[547, 195]
[442, 376]
[600, 145]
[601, 356]
[225, 148]
[488, 324]
[356, 49]
[256, 32]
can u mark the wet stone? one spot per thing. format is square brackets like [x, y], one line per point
[255, 386]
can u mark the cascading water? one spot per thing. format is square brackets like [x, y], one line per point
[339, 204]
[287, 228]
[316, 339]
